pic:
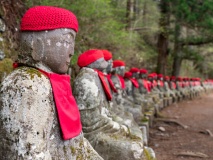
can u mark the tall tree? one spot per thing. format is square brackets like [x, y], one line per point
[163, 37]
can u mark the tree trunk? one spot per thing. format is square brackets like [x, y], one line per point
[129, 13]
[177, 60]
[163, 36]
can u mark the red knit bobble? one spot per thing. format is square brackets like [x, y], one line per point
[143, 71]
[172, 78]
[118, 63]
[160, 76]
[127, 75]
[134, 70]
[166, 77]
[89, 57]
[179, 79]
[48, 18]
[151, 75]
[107, 55]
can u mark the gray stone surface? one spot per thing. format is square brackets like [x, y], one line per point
[109, 138]
[29, 124]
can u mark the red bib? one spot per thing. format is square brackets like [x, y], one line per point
[134, 82]
[67, 109]
[122, 81]
[104, 84]
[112, 86]
[146, 85]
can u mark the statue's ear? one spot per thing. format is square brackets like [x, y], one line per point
[38, 49]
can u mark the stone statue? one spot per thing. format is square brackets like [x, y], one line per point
[168, 89]
[118, 109]
[109, 138]
[39, 116]
[121, 97]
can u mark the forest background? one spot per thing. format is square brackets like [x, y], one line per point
[172, 37]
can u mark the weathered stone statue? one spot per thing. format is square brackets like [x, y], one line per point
[160, 84]
[121, 96]
[109, 138]
[39, 117]
[168, 90]
[155, 92]
[173, 87]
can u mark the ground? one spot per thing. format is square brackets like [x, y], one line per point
[197, 115]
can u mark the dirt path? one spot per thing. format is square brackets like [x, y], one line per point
[197, 114]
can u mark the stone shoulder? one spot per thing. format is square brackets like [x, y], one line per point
[85, 89]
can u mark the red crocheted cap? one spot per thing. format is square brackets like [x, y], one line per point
[107, 55]
[179, 78]
[151, 75]
[143, 71]
[118, 63]
[160, 76]
[172, 78]
[127, 75]
[166, 77]
[89, 57]
[41, 18]
[134, 70]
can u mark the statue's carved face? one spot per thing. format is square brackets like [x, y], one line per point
[135, 74]
[120, 70]
[58, 50]
[109, 67]
[144, 76]
[99, 64]
[53, 48]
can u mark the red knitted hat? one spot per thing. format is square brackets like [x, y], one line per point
[179, 79]
[107, 55]
[89, 57]
[166, 77]
[118, 63]
[172, 78]
[48, 18]
[134, 70]
[151, 75]
[143, 71]
[127, 75]
[154, 74]
[160, 76]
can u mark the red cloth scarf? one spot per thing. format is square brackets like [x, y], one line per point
[154, 83]
[122, 81]
[174, 85]
[146, 85]
[67, 109]
[161, 83]
[112, 86]
[105, 85]
[149, 85]
[134, 82]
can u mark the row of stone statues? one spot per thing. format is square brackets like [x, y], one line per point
[106, 115]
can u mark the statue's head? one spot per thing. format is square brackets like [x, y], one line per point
[150, 77]
[127, 75]
[160, 77]
[119, 67]
[135, 72]
[143, 73]
[166, 78]
[47, 38]
[93, 58]
[173, 78]
[108, 58]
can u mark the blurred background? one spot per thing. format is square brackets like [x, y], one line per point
[165, 36]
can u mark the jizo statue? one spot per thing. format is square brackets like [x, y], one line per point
[109, 138]
[39, 116]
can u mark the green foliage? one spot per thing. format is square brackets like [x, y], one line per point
[102, 25]
[5, 67]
